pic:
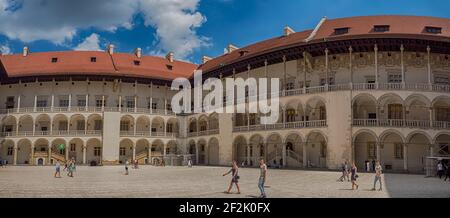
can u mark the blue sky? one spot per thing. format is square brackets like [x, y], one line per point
[197, 27]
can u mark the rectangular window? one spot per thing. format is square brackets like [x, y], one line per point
[323, 150]
[123, 151]
[154, 105]
[93, 59]
[169, 106]
[98, 125]
[442, 114]
[170, 127]
[10, 151]
[130, 103]
[434, 30]
[371, 150]
[10, 102]
[7, 128]
[441, 80]
[398, 150]
[41, 103]
[73, 147]
[124, 125]
[54, 60]
[64, 102]
[99, 103]
[395, 78]
[81, 101]
[97, 151]
[290, 86]
[341, 31]
[381, 28]
[395, 111]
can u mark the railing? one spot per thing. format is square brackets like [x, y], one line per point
[422, 124]
[278, 126]
[53, 133]
[294, 156]
[203, 133]
[89, 109]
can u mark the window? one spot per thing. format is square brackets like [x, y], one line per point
[323, 150]
[93, 59]
[371, 150]
[54, 60]
[154, 105]
[169, 67]
[97, 151]
[10, 102]
[63, 125]
[64, 102]
[395, 78]
[41, 103]
[398, 150]
[434, 30]
[81, 102]
[7, 128]
[123, 151]
[137, 63]
[98, 125]
[441, 80]
[80, 125]
[124, 125]
[170, 127]
[290, 115]
[395, 111]
[99, 103]
[169, 106]
[341, 31]
[10, 151]
[73, 147]
[381, 28]
[290, 86]
[442, 114]
[130, 103]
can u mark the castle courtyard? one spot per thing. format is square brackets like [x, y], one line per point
[205, 182]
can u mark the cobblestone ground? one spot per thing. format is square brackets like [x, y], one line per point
[199, 182]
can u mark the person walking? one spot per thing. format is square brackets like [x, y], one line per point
[262, 177]
[189, 163]
[354, 176]
[368, 166]
[344, 172]
[57, 170]
[126, 167]
[378, 172]
[447, 175]
[440, 169]
[234, 178]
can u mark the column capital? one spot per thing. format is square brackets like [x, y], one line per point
[350, 49]
[428, 49]
[326, 50]
[375, 47]
[284, 58]
[402, 48]
[265, 62]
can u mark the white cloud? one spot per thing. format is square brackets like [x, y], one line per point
[4, 49]
[58, 21]
[91, 43]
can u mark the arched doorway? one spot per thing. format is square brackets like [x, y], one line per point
[418, 145]
[316, 150]
[365, 148]
[213, 152]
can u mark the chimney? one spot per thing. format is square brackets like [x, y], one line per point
[26, 51]
[206, 59]
[169, 57]
[110, 49]
[138, 52]
[288, 31]
[231, 48]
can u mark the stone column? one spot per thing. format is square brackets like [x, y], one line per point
[103, 103]
[84, 154]
[284, 76]
[402, 49]
[87, 102]
[196, 154]
[52, 106]
[350, 50]
[248, 155]
[35, 103]
[15, 155]
[135, 104]
[134, 152]
[326, 67]
[120, 103]
[429, 68]
[405, 157]
[378, 152]
[431, 116]
[375, 49]
[66, 150]
[149, 155]
[49, 155]
[18, 104]
[284, 154]
[305, 156]
[70, 102]
[32, 156]
[304, 72]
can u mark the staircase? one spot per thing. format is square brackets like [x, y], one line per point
[59, 157]
[293, 159]
[275, 155]
[141, 157]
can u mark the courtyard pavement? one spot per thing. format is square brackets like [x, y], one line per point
[205, 182]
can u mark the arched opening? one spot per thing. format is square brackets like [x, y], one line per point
[294, 150]
[158, 126]
[365, 108]
[94, 152]
[157, 152]
[142, 151]
[441, 145]
[391, 110]
[127, 125]
[95, 123]
[172, 126]
[43, 124]
[143, 126]
[76, 150]
[60, 124]
[441, 112]
[240, 149]
[202, 152]
[41, 147]
[126, 151]
[59, 147]
[26, 125]
[192, 151]
[365, 148]
[316, 150]
[193, 125]
[274, 150]
[213, 152]
[392, 151]
[24, 152]
[315, 110]
[418, 146]
[77, 124]
[9, 125]
[172, 147]
[417, 108]
[256, 148]
[203, 124]
[7, 151]
[214, 121]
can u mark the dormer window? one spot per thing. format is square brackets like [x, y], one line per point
[54, 60]
[93, 59]
[137, 63]
[169, 67]
[434, 30]
[381, 28]
[341, 31]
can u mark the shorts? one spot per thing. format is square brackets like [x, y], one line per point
[58, 169]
